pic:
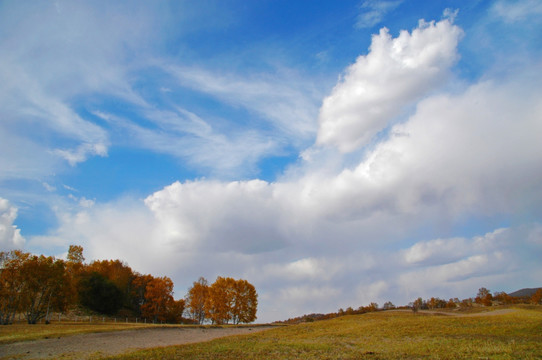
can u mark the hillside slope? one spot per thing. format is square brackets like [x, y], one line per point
[524, 292]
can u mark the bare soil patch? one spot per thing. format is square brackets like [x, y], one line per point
[86, 346]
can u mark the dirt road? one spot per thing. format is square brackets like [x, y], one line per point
[85, 346]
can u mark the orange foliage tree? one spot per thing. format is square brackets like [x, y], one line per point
[484, 297]
[231, 299]
[537, 297]
[11, 284]
[245, 302]
[74, 269]
[196, 299]
[44, 287]
[139, 287]
[175, 310]
[158, 298]
[219, 302]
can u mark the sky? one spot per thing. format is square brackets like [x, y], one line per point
[332, 153]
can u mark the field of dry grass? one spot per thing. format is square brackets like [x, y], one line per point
[502, 333]
[385, 335]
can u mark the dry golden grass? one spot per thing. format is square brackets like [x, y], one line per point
[384, 335]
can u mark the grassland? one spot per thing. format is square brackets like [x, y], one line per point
[383, 335]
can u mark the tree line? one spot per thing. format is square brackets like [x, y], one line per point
[484, 297]
[36, 286]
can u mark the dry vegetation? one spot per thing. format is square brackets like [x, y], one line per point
[383, 335]
[496, 333]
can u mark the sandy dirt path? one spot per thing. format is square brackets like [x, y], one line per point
[85, 346]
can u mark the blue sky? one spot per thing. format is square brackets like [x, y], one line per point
[333, 153]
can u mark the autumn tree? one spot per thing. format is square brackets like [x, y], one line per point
[174, 311]
[230, 300]
[75, 254]
[417, 305]
[388, 306]
[484, 297]
[11, 284]
[218, 304]
[537, 297]
[74, 268]
[138, 289]
[196, 299]
[158, 298]
[244, 302]
[502, 297]
[44, 287]
[452, 303]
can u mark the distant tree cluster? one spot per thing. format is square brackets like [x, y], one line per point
[38, 285]
[372, 307]
[223, 301]
[484, 297]
[433, 303]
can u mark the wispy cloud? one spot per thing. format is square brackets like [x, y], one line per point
[374, 11]
[283, 100]
[84, 59]
[514, 11]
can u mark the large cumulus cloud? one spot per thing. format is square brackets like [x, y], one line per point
[378, 85]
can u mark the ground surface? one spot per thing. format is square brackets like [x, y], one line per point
[87, 346]
[495, 333]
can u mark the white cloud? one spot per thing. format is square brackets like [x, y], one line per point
[82, 152]
[475, 153]
[307, 269]
[48, 187]
[379, 85]
[10, 235]
[302, 299]
[374, 11]
[498, 258]
[234, 216]
[284, 101]
[225, 154]
[23, 158]
[74, 58]
[52, 54]
[439, 250]
[515, 11]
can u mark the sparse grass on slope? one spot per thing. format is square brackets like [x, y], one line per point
[385, 335]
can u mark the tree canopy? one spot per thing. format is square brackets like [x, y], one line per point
[37, 285]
